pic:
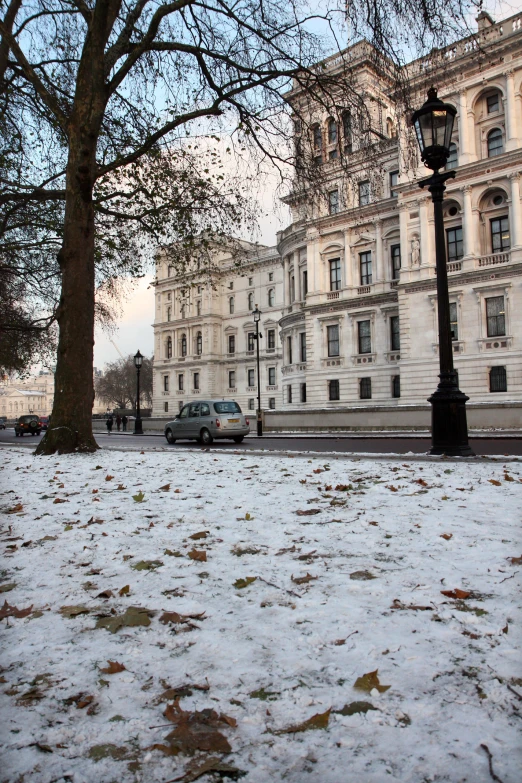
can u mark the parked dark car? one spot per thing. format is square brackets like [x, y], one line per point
[3, 422]
[44, 421]
[29, 424]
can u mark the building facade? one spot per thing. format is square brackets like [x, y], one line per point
[355, 311]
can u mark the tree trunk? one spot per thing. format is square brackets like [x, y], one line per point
[71, 420]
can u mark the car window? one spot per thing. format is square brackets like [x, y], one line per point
[184, 412]
[205, 410]
[28, 418]
[227, 407]
[194, 410]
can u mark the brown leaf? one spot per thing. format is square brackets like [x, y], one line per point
[15, 509]
[73, 611]
[124, 590]
[197, 536]
[174, 617]
[495, 482]
[164, 488]
[198, 554]
[194, 731]
[369, 681]
[12, 611]
[507, 477]
[108, 478]
[308, 512]
[113, 668]
[318, 721]
[392, 488]
[59, 500]
[447, 536]
[421, 482]
[197, 768]
[302, 580]
[515, 560]
[120, 486]
[105, 594]
[456, 593]
[318, 470]
[81, 700]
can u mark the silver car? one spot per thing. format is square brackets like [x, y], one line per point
[206, 420]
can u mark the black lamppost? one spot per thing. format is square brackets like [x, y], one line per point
[257, 317]
[449, 431]
[138, 361]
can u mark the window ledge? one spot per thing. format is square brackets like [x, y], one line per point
[364, 358]
[495, 343]
[364, 289]
[332, 361]
[392, 356]
[457, 345]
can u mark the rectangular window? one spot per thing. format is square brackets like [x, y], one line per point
[271, 402]
[492, 103]
[396, 386]
[333, 390]
[364, 192]
[251, 341]
[271, 338]
[289, 394]
[231, 379]
[364, 336]
[395, 336]
[165, 383]
[500, 239]
[166, 407]
[231, 343]
[365, 264]
[454, 326]
[302, 346]
[198, 307]
[395, 252]
[251, 404]
[496, 316]
[365, 388]
[394, 181]
[251, 378]
[169, 296]
[305, 283]
[270, 276]
[332, 337]
[318, 137]
[196, 380]
[497, 379]
[335, 274]
[303, 392]
[333, 155]
[289, 350]
[333, 201]
[169, 313]
[180, 382]
[271, 376]
[250, 281]
[454, 243]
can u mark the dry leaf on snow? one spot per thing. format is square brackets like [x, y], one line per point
[197, 536]
[174, 617]
[456, 593]
[73, 611]
[194, 731]
[495, 482]
[198, 554]
[133, 616]
[308, 512]
[369, 681]
[302, 580]
[113, 668]
[318, 721]
[12, 611]
[447, 536]
[240, 583]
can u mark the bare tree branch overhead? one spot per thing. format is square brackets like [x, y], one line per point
[108, 111]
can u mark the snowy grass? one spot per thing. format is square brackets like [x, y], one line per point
[337, 594]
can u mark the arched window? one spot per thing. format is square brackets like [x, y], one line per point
[183, 311]
[231, 305]
[347, 131]
[169, 313]
[495, 143]
[332, 131]
[183, 344]
[453, 157]
[271, 297]
[168, 348]
[199, 343]
[390, 129]
[251, 301]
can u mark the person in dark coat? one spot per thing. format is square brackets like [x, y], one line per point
[109, 424]
[124, 421]
[118, 422]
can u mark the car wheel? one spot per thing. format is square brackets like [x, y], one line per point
[239, 439]
[205, 437]
[169, 436]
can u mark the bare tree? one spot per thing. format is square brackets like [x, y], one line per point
[100, 101]
[117, 385]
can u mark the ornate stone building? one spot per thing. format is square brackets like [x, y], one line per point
[354, 312]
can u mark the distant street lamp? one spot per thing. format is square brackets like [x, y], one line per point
[433, 124]
[257, 317]
[138, 361]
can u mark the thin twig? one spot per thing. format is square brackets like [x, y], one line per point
[517, 694]
[490, 759]
[508, 577]
[271, 584]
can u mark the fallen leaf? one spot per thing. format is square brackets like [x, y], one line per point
[308, 512]
[264, 695]
[198, 768]
[172, 554]
[105, 594]
[456, 593]
[124, 590]
[73, 611]
[59, 500]
[302, 580]
[108, 478]
[421, 482]
[495, 482]
[133, 616]
[343, 487]
[120, 486]
[139, 498]
[446, 536]
[81, 700]
[172, 694]
[175, 617]
[15, 509]
[362, 575]
[197, 536]
[107, 750]
[240, 583]
[355, 708]
[194, 731]
[369, 681]
[12, 611]
[507, 477]
[147, 565]
[113, 668]
[318, 721]
[7, 588]
[515, 560]
[198, 554]
[399, 605]
[164, 488]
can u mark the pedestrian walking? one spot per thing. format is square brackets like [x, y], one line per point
[109, 424]
[124, 422]
[118, 421]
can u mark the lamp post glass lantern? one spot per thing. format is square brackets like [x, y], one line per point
[138, 361]
[433, 124]
[257, 317]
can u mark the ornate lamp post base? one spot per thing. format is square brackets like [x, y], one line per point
[448, 419]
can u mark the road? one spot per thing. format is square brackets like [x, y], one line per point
[342, 444]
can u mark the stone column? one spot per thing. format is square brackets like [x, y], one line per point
[425, 238]
[515, 216]
[379, 271]
[467, 227]
[297, 276]
[348, 271]
[463, 129]
[510, 109]
[286, 286]
[403, 224]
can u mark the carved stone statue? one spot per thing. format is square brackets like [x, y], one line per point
[415, 252]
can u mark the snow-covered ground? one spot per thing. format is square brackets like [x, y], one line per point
[269, 618]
